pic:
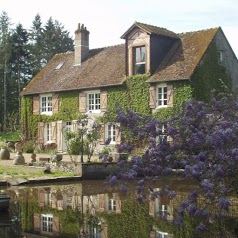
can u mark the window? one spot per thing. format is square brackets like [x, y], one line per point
[162, 99]
[111, 133]
[139, 59]
[160, 234]
[47, 223]
[93, 101]
[220, 57]
[162, 131]
[95, 231]
[46, 104]
[48, 133]
[111, 204]
[162, 210]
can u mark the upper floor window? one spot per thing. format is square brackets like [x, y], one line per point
[139, 57]
[162, 96]
[93, 101]
[46, 104]
[111, 204]
[220, 56]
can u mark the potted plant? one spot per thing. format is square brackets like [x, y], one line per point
[106, 155]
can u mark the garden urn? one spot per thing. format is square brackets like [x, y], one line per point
[4, 153]
[19, 159]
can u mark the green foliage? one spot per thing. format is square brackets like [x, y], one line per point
[28, 147]
[209, 75]
[133, 221]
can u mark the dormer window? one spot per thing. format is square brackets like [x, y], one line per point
[139, 57]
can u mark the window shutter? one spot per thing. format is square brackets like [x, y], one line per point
[74, 125]
[41, 200]
[102, 135]
[54, 132]
[41, 132]
[152, 208]
[152, 90]
[103, 101]
[152, 234]
[118, 133]
[60, 135]
[36, 104]
[104, 230]
[55, 103]
[101, 202]
[56, 226]
[118, 206]
[36, 222]
[170, 95]
[82, 102]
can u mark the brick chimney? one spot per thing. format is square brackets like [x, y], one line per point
[81, 45]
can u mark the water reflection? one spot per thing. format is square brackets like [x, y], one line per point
[88, 209]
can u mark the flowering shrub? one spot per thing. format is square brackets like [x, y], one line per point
[203, 148]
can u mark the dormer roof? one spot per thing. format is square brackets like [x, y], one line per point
[149, 29]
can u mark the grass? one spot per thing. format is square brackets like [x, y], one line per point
[9, 136]
[23, 171]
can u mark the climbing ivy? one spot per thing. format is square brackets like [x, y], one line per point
[133, 221]
[209, 75]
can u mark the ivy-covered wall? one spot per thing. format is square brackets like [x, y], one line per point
[210, 75]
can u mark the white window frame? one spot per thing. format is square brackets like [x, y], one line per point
[46, 104]
[47, 223]
[162, 210]
[111, 205]
[162, 97]
[48, 133]
[142, 57]
[160, 234]
[92, 103]
[110, 132]
[221, 56]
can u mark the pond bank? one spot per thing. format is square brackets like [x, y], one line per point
[26, 174]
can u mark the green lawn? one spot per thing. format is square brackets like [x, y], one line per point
[23, 171]
[9, 136]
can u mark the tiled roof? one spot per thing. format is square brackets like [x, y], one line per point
[151, 30]
[184, 56]
[104, 67]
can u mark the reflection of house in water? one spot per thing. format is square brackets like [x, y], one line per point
[63, 199]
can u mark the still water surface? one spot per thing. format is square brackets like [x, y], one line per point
[86, 209]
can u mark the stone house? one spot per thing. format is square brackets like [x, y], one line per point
[86, 80]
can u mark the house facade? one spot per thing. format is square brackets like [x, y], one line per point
[155, 71]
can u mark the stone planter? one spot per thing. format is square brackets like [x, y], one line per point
[4, 153]
[19, 159]
[123, 156]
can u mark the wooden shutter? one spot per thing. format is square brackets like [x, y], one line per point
[170, 95]
[36, 104]
[59, 141]
[104, 230]
[152, 234]
[152, 208]
[41, 132]
[101, 202]
[36, 222]
[54, 132]
[102, 135]
[56, 226]
[152, 91]
[41, 198]
[118, 206]
[74, 125]
[118, 133]
[55, 103]
[82, 102]
[103, 101]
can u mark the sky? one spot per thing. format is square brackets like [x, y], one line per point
[108, 20]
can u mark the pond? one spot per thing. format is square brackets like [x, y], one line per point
[89, 209]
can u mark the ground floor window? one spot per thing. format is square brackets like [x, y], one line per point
[48, 133]
[47, 223]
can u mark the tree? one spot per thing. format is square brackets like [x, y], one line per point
[4, 51]
[199, 144]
